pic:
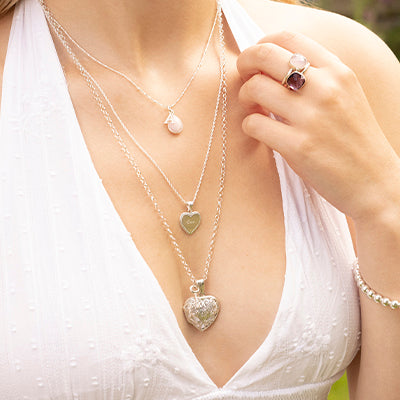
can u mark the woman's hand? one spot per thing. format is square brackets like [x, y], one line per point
[326, 131]
[329, 135]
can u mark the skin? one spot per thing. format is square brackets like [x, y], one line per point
[340, 134]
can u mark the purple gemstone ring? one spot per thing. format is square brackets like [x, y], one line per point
[295, 79]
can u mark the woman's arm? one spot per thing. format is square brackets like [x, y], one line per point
[341, 134]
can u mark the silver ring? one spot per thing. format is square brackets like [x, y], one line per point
[295, 79]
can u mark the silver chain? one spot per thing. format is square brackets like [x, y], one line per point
[130, 80]
[96, 90]
[61, 29]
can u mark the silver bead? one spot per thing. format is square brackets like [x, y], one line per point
[386, 302]
[370, 293]
[364, 288]
[395, 304]
[377, 298]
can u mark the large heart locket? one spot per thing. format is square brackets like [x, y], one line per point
[201, 310]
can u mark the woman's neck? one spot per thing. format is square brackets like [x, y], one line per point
[137, 33]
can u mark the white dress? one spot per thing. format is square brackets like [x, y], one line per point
[82, 316]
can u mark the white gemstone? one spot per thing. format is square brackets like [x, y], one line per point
[174, 124]
[298, 61]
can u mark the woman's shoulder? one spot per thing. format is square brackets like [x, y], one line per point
[5, 27]
[349, 40]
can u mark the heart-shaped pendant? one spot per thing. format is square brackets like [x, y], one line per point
[201, 310]
[190, 221]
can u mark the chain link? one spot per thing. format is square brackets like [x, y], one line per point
[62, 30]
[130, 80]
[96, 91]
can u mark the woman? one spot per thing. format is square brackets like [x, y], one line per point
[96, 264]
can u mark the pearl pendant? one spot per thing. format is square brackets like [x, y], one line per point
[174, 123]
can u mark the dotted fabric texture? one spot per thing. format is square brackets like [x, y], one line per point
[82, 317]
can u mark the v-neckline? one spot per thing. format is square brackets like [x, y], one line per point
[123, 231]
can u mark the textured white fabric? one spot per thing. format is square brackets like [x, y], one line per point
[73, 320]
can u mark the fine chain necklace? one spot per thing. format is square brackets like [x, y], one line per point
[189, 219]
[200, 310]
[173, 122]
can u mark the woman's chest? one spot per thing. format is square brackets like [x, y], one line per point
[241, 245]
[89, 319]
[82, 313]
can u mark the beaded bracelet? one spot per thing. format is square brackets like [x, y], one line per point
[370, 293]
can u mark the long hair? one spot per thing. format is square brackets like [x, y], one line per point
[6, 5]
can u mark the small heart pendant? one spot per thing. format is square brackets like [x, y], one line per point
[201, 310]
[190, 221]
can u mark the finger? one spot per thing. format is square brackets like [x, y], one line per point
[267, 58]
[274, 134]
[316, 54]
[262, 92]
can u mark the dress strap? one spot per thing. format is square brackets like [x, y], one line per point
[243, 27]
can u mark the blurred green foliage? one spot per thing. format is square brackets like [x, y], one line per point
[381, 16]
[339, 390]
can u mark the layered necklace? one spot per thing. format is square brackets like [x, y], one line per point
[200, 310]
[189, 219]
[173, 122]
